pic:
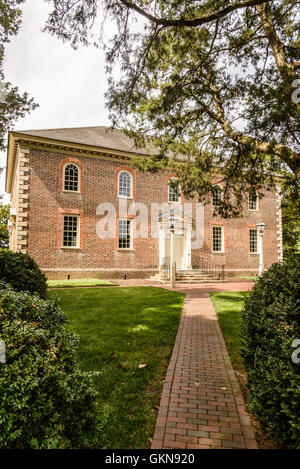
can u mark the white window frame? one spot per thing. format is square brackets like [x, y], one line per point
[131, 234]
[253, 252]
[179, 192]
[256, 209]
[131, 185]
[222, 239]
[79, 177]
[220, 189]
[63, 230]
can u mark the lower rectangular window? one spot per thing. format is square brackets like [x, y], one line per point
[218, 244]
[70, 231]
[124, 234]
[253, 240]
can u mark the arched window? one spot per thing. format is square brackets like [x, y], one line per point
[125, 184]
[173, 191]
[217, 195]
[71, 177]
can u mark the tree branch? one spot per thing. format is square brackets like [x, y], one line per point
[196, 21]
[287, 70]
[291, 158]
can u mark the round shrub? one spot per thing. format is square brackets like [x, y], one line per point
[46, 401]
[22, 273]
[270, 325]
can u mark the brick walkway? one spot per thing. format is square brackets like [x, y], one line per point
[201, 405]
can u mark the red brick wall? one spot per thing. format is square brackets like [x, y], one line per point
[99, 184]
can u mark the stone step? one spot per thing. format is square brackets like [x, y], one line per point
[194, 275]
[208, 280]
[192, 271]
[186, 280]
[187, 276]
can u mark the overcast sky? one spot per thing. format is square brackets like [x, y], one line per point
[68, 85]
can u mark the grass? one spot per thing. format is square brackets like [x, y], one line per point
[120, 329]
[78, 282]
[228, 306]
[248, 277]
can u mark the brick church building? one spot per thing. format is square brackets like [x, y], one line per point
[80, 209]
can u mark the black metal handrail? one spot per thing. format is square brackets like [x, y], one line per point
[166, 267]
[217, 271]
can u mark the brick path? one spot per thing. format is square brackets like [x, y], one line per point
[201, 405]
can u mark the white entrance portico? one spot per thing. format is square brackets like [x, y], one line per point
[182, 240]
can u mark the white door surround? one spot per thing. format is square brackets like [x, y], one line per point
[182, 239]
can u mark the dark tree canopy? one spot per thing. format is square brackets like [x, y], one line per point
[13, 105]
[290, 224]
[4, 217]
[214, 81]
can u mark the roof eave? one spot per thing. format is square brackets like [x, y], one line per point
[15, 138]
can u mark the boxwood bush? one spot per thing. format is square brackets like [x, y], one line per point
[270, 324]
[46, 401]
[22, 272]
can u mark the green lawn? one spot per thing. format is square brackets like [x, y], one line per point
[120, 329]
[228, 307]
[248, 277]
[78, 282]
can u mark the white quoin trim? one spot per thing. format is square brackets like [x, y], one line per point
[22, 204]
[279, 224]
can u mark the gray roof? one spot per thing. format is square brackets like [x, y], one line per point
[104, 137]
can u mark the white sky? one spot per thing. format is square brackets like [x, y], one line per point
[68, 85]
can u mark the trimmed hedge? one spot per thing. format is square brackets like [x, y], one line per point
[270, 324]
[46, 401]
[22, 273]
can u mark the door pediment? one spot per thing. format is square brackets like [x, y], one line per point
[179, 217]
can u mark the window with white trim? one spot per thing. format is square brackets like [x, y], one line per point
[70, 235]
[217, 239]
[217, 196]
[124, 233]
[125, 184]
[71, 178]
[253, 240]
[253, 200]
[173, 191]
